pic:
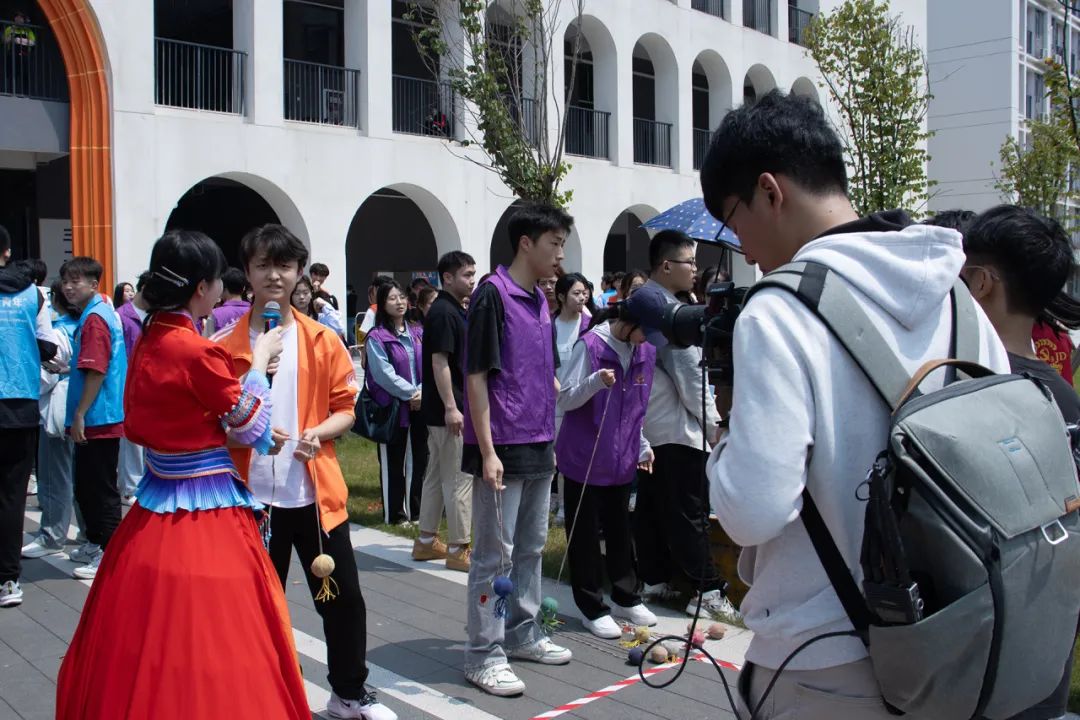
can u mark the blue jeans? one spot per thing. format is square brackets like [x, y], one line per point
[55, 463]
[514, 550]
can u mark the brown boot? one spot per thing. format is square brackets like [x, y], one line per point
[435, 550]
[459, 559]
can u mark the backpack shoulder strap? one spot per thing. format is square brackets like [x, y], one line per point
[833, 303]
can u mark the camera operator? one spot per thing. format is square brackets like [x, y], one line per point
[804, 415]
[669, 523]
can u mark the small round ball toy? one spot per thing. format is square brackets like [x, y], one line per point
[549, 615]
[635, 656]
[716, 631]
[698, 639]
[642, 635]
[658, 655]
[503, 587]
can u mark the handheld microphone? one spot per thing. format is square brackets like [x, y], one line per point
[271, 319]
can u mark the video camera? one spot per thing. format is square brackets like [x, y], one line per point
[710, 327]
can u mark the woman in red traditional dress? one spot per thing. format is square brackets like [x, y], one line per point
[186, 617]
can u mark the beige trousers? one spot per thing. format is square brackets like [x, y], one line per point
[844, 692]
[446, 486]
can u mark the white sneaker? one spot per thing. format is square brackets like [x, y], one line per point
[84, 553]
[40, 547]
[603, 627]
[498, 680]
[660, 591]
[715, 604]
[543, 651]
[89, 571]
[10, 594]
[637, 615]
[366, 708]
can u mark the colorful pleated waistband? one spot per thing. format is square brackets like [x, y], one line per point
[204, 480]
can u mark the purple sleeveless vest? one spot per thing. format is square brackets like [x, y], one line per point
[522, 394]
[619, 439]
[399, 359]
[228, 313]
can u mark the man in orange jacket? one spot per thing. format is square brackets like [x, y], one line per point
[313, 394]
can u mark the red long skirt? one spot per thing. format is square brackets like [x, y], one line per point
[186, 619]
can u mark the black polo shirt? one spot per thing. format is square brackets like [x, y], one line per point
[444, 332]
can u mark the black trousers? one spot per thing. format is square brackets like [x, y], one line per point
[395, 486]
[95, 487]
[670, 520]
[344, 617]
[18, 448]
[602, 508]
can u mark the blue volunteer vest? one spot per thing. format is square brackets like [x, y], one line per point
[21, 360]
[108, 407]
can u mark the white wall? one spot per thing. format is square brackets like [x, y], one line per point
[315, 177]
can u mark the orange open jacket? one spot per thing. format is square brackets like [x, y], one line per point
[325, 384]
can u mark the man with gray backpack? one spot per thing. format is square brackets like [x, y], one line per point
[906, 553]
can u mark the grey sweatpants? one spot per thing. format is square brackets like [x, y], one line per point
[847, 691]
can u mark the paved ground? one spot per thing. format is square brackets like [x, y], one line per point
[416, 633]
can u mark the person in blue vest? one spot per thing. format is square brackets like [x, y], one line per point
[604, 394]
[28, 339]
[509, 450]
[95, 405]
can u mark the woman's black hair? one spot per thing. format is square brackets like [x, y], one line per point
[564, 285]
[118, 294]
[59, 302]
[382, 319]
[415, 316]
[180, 260]
[610, 313]
[628, 282]
[305, 280]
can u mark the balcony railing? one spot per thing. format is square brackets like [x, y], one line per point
[712, 7]
[30, 63]
[798, 22]
[587, 132]
[525, 112]
[757, 15]
[200, 77]
[652, 142]
[423, 107]
[701, 146]
[324, 94]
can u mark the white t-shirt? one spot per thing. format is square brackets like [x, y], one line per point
[281, 480]
[566, 334]
[368, 322]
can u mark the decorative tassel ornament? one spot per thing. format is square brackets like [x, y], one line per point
[549, 616]
[323, 567]
[503, 587]
[640, 636]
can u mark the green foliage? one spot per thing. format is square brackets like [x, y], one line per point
[1037, 176]
[486, 67]
[875, 74]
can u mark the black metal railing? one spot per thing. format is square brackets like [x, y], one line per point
[200, 77]
[325, 94]
[652, 142]
[30, 63]
[798, 22]
[757, 15]
[587, 132]
[525, 112]
[701, 146]
[423, 107]
[712, 7]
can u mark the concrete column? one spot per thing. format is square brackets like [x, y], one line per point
[682, 135]
[622, 117]
[368, 47]
[257, 30]
[735, 12]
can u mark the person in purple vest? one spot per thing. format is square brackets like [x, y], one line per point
[132, 463]
[604, 394]
[233, 305]
[509, 450]
[393, 373]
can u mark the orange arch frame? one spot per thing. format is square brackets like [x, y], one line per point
[83, 49]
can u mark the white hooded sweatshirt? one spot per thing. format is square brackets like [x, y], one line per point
[804, 414]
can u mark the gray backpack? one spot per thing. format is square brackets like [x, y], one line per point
[970, 556]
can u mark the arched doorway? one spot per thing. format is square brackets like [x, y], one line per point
[591, 92]
[759, 80]
[806, 88]
[391, 234]
[225, 210]
[627, 245]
